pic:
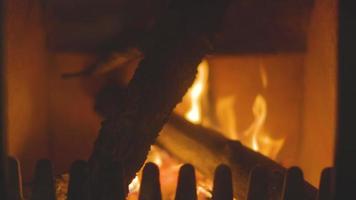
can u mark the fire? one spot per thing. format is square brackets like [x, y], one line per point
[256, 136]
[259, 138]
[169, 170]
[226, 117]
[154, 156]
[134, 186]
[196, 92]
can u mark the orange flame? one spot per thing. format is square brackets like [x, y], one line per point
[196, 92]
[225, 113]
[134, 186]
[255, 137]
[260, 140]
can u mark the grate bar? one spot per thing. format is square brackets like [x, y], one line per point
[112, 187]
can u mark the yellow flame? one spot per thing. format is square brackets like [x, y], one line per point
[259, 138]
[225, 113]
[196, 92]
[155, 156]
[263, 75]
[134, 186]
[259, 110]
[204, 192]
[256, 137]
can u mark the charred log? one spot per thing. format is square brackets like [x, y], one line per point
[206, 149]
[172, 52]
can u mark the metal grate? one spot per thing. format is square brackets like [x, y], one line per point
[43, 187]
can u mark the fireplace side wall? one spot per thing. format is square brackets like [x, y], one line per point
[26, 83]
[318, 132]
[73, 122]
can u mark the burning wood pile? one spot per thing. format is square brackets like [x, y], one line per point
[169, 56]
[176, 45]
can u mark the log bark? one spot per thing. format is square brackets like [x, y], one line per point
[172, 52]
[206, 149]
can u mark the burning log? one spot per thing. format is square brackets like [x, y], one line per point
[172, 52]
[206, 149]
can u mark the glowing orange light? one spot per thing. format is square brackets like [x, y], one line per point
[259, 138]
[134, 186]
[196, 92]
[255, 137]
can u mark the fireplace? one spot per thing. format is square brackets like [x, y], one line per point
[271, 83]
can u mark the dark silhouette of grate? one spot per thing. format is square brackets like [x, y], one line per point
[43, 187]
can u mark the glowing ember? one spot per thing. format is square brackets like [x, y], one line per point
[169, 170]
[204, 192]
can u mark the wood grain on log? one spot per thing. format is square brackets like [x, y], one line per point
[172, 52]
[206, 149]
